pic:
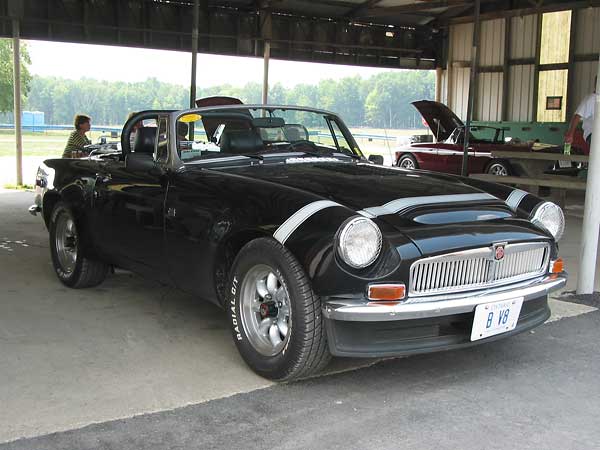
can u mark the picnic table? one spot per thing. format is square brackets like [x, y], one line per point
[532, 165]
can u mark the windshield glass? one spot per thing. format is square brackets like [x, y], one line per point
[259, 131]
[482, 135]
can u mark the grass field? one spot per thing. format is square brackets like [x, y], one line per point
[52, 143]
[49, 143]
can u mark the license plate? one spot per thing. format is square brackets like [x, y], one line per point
[495, 318]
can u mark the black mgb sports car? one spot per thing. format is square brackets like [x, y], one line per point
[274, 214]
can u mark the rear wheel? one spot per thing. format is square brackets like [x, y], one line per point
[275, 316]
[70, 265]
[499, 168]
[408, 162]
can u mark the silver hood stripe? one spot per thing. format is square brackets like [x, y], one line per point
[286, 229]
[299, 217]
[515, 197]
[402, 204]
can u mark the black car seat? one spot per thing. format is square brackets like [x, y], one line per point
[145, 140]
[240, 141]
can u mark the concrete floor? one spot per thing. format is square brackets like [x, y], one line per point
[536, 391]
[75, 357]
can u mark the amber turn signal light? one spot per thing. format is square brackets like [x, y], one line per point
[557, 266]
[387, 292]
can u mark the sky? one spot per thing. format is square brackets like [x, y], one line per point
[102, 62]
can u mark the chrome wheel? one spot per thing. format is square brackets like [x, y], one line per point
[498, 169]
[407, 163]
[65, 242]
[265, 310]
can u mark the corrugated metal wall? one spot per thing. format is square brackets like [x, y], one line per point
[491, 47]
[521, 72]
[523, 32]
[587, 41]
[520, 93]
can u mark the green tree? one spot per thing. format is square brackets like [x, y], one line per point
[6, 74]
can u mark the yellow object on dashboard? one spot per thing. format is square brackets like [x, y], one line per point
[190, 118]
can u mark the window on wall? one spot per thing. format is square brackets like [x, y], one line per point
[554, 73]
[552, 93]
[556, 37]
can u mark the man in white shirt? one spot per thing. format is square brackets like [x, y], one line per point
[584, 112]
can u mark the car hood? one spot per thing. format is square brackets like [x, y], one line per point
[435, 211]
[440, 119]
[363, 187]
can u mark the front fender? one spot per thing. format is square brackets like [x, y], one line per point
[314, 241]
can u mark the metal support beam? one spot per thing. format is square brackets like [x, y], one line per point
[571, 74]
[591, 213]
[449, 72]
[536, 68]
[506, 68]
[266, 58]
[473, 78]
[196, 16]
[17, 99]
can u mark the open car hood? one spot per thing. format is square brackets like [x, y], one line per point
[441, 120]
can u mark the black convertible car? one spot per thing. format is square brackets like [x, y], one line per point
[274, 214]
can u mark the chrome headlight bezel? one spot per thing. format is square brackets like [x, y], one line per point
[347, 249]
[554, 225]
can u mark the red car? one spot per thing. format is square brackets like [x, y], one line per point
[445, 155]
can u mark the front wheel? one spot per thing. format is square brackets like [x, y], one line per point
[275, 316]
[72, 268]
[498, 168]
[408, 162]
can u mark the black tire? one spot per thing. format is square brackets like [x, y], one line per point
[305, 351]
[406, 160]
[84, 272]
[498, 167]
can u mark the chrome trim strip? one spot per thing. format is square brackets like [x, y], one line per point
[362, 310]
[402, 204]
[295, 220]
[515, 197]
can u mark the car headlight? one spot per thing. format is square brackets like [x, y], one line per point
[550, 217]
[359, 242]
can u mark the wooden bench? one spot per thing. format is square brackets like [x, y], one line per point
[559, 183]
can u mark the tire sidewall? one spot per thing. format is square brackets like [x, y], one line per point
[279, 365]
[68, 279]
[407, 156]
[501, 163]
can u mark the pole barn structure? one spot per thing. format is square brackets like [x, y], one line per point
[497, 61]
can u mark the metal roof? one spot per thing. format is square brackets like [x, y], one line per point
[379, 33]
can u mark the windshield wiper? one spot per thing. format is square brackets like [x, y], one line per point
[351, 155]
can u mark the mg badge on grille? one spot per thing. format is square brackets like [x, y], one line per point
[498, 252]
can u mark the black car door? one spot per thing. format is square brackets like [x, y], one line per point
[129, 205]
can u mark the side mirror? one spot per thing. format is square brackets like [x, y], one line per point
[139, 162]
[376, 159]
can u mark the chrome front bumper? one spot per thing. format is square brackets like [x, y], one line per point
[362, 310]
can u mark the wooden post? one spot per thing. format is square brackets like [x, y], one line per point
[266, 58]
[438, 84]
[194, 53]
[17, 99]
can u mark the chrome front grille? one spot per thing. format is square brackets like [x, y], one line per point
[478, 268]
